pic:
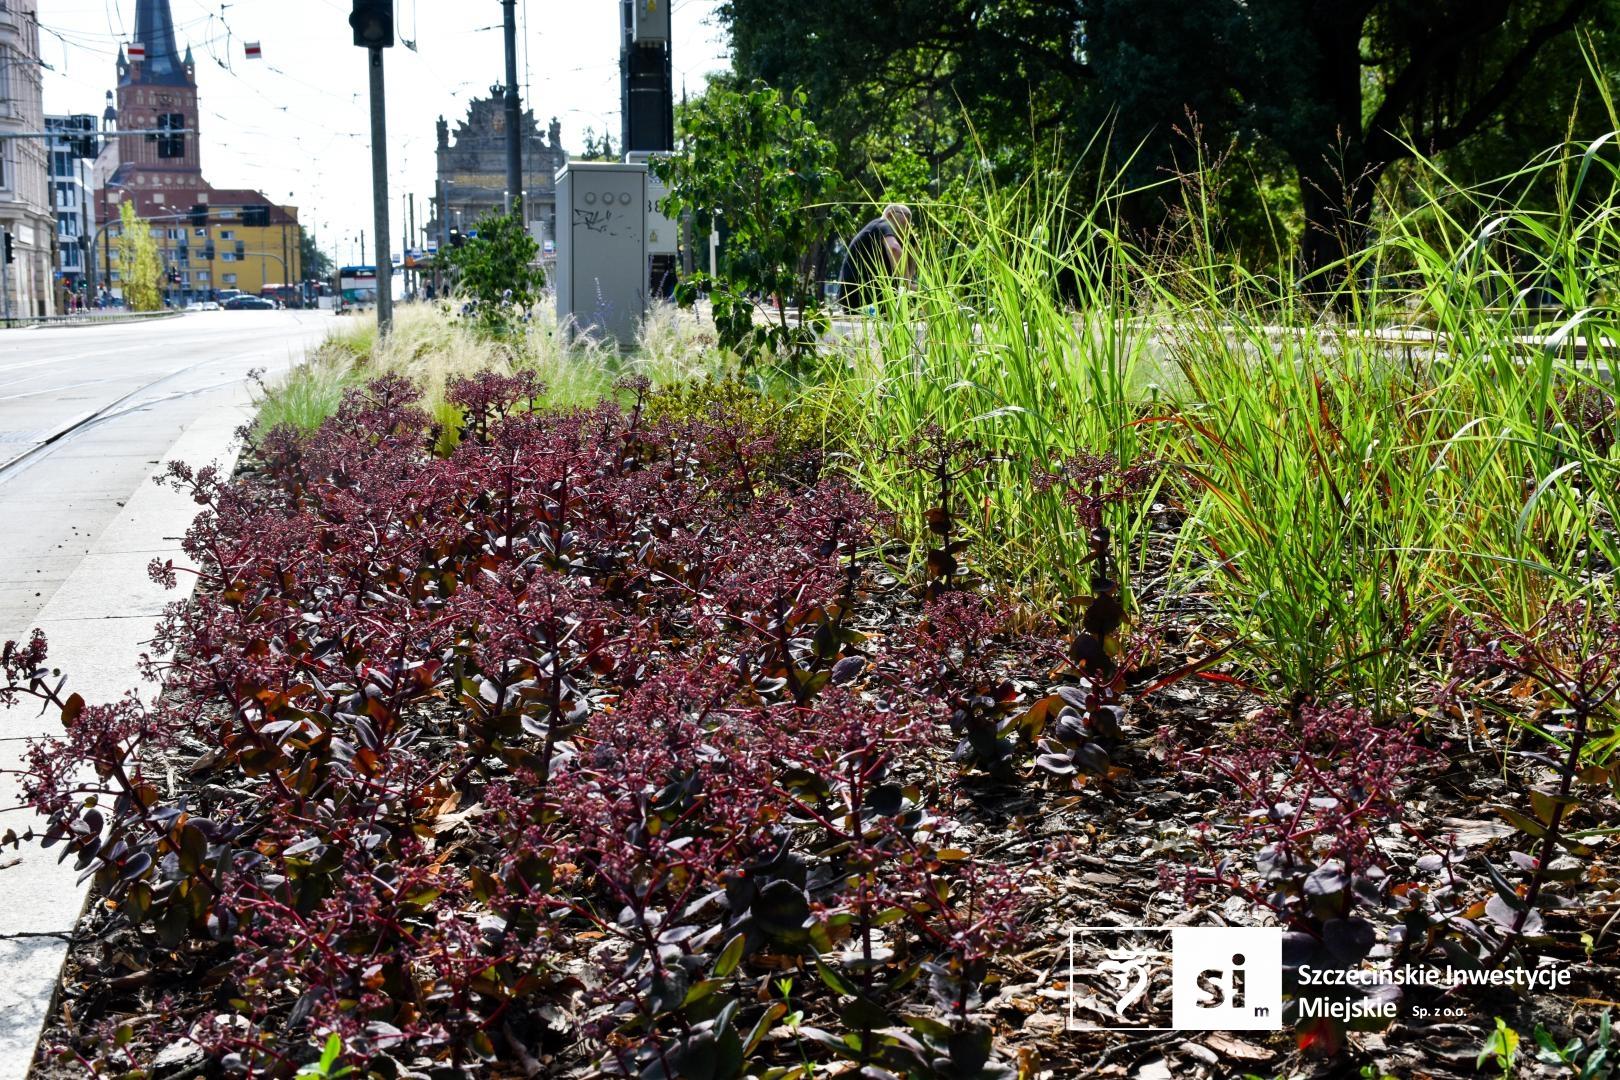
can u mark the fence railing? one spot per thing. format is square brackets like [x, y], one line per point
[87, 317]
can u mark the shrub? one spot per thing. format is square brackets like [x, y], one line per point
[751, 157]
[496, 272]
[571, 719]
[1311, 794]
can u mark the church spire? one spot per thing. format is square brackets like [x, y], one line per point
[154, 28]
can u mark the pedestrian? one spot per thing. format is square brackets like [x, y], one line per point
[875, 255]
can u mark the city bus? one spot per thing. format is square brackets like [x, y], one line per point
[356, 288]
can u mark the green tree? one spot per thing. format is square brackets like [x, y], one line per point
[317, 265]
[598, 147]
[1348, 89]
[941, 80]
[496, 271]
[141, 272]
[752, 159]
[1323, 95]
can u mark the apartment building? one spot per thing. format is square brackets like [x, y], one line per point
[27, 215]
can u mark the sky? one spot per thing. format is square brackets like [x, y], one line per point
[296, 124]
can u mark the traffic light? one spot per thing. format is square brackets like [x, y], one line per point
[241, 249]
[11, 256]
[199, 215]
[373, 22]
[256, 217]
[456, 239]
[208, 251]
[83, 145]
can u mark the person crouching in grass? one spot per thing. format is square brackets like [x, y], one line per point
[876, 256]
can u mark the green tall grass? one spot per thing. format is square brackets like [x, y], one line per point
[987, 347]
[1346, 473]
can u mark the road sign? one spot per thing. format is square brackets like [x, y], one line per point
[254, 52]
[136, 51]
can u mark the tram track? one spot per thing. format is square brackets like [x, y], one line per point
[117, 407]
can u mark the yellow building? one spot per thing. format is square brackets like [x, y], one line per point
[202, 260]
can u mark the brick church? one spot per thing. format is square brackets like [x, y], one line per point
[211, 239]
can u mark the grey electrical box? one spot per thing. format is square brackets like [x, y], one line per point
[663, 237]
[649, 22]
[602, 248]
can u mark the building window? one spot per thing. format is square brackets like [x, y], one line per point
[227, 234]
[227, 256]
[230, 279]
[202, 275]
[171, 145]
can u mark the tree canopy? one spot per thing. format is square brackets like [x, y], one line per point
[141, 273]
[1323, 95]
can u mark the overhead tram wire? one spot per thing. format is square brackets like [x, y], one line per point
[213, 39]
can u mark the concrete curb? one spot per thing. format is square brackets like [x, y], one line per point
[97, 624]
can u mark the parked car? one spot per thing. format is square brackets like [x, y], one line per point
[202, 305]
[253, 303]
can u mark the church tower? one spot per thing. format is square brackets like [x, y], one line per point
[209, 239]
[159, 93]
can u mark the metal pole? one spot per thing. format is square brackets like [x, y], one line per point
[379, 198]
[625, 46]
[444, 215]
[270, 255]
[412, 240]
[5, 286]
[514, 113]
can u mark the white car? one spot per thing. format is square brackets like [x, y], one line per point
[202, 305]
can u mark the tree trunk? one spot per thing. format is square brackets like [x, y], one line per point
[1338, 226]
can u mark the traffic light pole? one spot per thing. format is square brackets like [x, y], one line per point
[379, 197]
[514, 113]
[5, 286]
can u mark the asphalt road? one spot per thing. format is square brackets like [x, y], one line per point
[86, 410]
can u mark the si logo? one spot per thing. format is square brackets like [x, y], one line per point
[1226, 978]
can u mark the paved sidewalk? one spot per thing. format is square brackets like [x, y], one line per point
[97, 623]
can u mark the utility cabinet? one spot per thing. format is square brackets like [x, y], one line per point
[602, 248]
[663, 234]
[649, 23]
